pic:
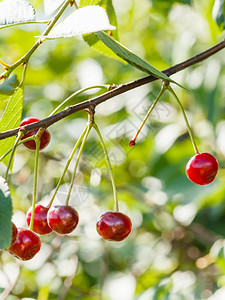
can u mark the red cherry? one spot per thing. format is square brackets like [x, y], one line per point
[40, 225]
[45, 138]
[202, 168]
[132, 143]
[113, 226]
[62, 219]
[27, 244]
[14, 233]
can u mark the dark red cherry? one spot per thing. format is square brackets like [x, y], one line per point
[113, 226]
[202, 168]
[132, 143]
[40, 225]
[14, 233]
[26, 245]
[45, 138]
[62, 219]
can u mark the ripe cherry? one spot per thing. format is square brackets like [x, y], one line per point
[62, 219]
[113, 226]
[45, 138]
[132, 143]
[26, 245]
[40, 225]
[202, 168]
[14, 233]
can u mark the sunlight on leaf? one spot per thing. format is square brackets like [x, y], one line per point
[16, 11]
[11, 119]
[84, 20]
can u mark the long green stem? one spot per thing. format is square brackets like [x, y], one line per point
[149, 111]
[76, 94]
[67, 164]
[185, 118]
[20, 133]
[19, 143]
[109, 165]
[38, 142]
[77, 162]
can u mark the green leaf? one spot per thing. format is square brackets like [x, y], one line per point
[7, 89]
[93, 41]
[89, 2]
[84, 20]
[11, 119]
[16, 11]
[5, 215]
[219, 13]
[130, 57]
[9, 85]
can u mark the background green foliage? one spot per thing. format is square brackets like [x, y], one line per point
[176, 248]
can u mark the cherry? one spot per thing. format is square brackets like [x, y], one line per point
[113, 226]
[62, 219]
[132, 143]
[45, 138]
[40, 225]
[14, 233]
[26, 245]
[202, 168]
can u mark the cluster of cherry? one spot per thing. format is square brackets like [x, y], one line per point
[62, 219]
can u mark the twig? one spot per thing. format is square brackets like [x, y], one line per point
[44, 123]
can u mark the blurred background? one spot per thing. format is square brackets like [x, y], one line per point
[176, 249]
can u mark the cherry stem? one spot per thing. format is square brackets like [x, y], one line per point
[75, 4]
[77, 161]
[109, 165]
[37, 142]
[101, 86]
[20, 133]
[164, 87]
[185, 118]
[18, 144]
[67, 164]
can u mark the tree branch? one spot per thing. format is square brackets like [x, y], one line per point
[114, 92]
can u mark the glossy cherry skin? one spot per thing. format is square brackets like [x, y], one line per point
[26, 245]
[45, 138]
[40, 225]
[14, 233]
[202, 168]
[62, 219]
[113, 226]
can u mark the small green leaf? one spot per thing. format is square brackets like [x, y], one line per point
[11, 119]
[16, 11]
[130, 57]
[5, 215]
[84, 20]
[219, 13]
